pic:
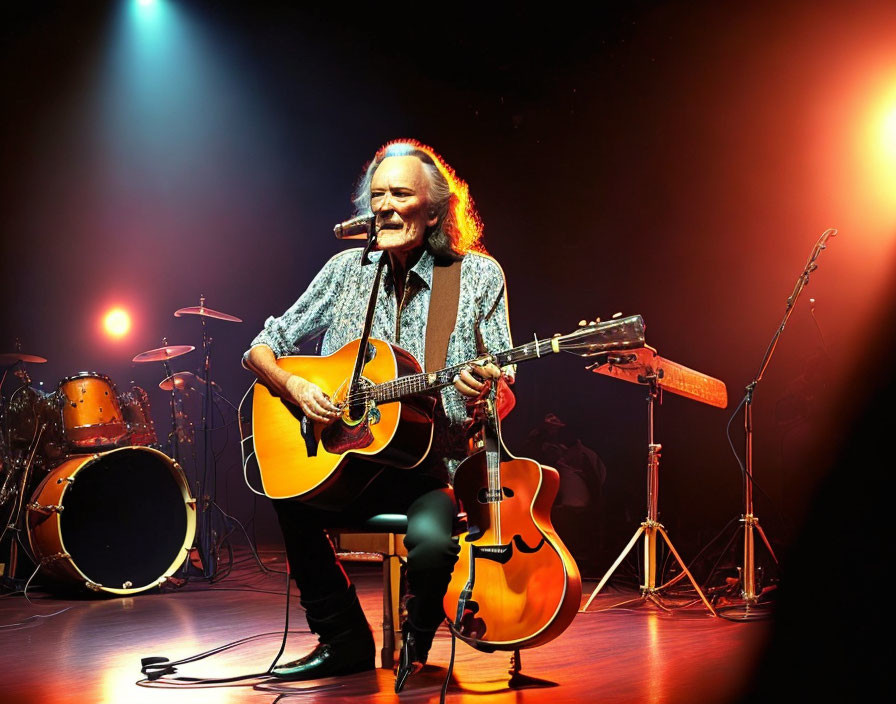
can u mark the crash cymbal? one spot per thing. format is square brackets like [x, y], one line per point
[160, 354]
[207, 312]
[7, 358]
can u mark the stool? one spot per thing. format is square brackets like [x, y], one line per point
[383, 536]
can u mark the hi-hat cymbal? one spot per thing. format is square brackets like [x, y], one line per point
[207, 312]
[160, 354]
[7, 358]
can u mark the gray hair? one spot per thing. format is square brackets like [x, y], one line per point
[440, 239]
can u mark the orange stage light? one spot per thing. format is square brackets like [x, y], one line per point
[880, 151]
[888, 132]
[117, 322]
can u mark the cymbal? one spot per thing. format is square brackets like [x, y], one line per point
[160, 354]
[184, 380]
[207, 312]
[180, 380]
[7, 358]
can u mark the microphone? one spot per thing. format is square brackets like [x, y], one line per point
[358, 228]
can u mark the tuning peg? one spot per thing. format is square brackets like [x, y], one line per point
[616, 315]
[583, 323]
[596, 321]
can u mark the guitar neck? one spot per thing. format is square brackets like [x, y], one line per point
[433, 381]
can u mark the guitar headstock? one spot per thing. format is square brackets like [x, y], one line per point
[593, 338]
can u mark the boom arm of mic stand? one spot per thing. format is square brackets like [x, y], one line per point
[801, 282]
[750, 522]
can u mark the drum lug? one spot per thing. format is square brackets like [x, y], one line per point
[45, 510]
[52, 558]
[192, 504]
[70, 480]
[127, 585]
[93, 586]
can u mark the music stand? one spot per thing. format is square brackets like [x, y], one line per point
[644, 367]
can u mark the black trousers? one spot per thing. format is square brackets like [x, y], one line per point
[431, 510]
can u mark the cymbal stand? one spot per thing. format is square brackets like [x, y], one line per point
[750, 608]
[173, 435]
[651, 527]
[208, 486]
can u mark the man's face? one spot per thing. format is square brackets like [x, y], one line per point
[399, 199]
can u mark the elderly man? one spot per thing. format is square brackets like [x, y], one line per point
[425, 221]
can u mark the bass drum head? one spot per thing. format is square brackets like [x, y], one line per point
[128, 520]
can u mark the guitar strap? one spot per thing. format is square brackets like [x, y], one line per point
[444, 297]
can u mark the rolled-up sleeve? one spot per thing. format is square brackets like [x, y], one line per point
[310, 315]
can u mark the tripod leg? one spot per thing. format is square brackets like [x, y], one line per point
[612, 569]
[765, 540]
[686, 571]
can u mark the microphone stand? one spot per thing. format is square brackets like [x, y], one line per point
[749, 520]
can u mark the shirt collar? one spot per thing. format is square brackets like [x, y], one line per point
[422, 270]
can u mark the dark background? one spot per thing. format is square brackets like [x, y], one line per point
[677, 160]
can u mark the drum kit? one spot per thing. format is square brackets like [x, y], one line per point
[84, 478]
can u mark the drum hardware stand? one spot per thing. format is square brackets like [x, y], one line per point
[750, 607]
[17, 516]
[173, 435]
[651, 527]
[207, 535]
[208, 548]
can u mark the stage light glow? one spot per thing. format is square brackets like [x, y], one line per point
[889, 132]
[145, 10]
[117, 322]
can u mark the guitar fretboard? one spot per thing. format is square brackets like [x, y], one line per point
[624, 333]
[433, 381]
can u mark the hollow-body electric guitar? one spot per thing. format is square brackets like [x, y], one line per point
[515, 585]
[386, 417]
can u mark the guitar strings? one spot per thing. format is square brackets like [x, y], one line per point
[416, 383]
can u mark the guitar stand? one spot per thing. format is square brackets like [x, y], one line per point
[651, 527]
[520, 681]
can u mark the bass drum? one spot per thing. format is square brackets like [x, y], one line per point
[120, 521]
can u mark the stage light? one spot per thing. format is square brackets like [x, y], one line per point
[145, 9]
[117, 322]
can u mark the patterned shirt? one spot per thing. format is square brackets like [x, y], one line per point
[335, 304]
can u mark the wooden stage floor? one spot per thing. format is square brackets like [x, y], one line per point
[55, 650]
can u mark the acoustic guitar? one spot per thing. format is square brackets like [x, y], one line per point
[386, 417]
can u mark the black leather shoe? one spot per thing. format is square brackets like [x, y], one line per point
[414, 652]
[328, 660]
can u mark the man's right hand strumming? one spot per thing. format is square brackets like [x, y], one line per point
[309, 397]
